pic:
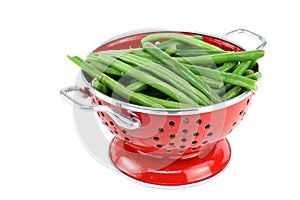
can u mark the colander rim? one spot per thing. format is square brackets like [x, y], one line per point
[164, 111]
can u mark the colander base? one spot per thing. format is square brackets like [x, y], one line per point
[169, 171]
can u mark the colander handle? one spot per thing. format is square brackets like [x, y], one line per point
[263, 41]
[122, 120]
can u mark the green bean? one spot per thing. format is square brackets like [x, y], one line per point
[212, 82]
[255, 76]
[226, 77]
[171, 49]
[198, 37]
[142, 76]
[239, 80]
[226, 67]
[235, 91]
[85, 66]
[182, 38]
[107, 70]
[156, 93]
[248, 72]
[239, 70]
[135, 51]
[99, 86]
[137, 86]
[195, 52]
[242, 67]
[182, 70]
[145, 55]
[253, 64]
[223, 57]
[164, 45]
[165, 74]
[166, 103]
[112, 84]
[201, 70]
[140, 86]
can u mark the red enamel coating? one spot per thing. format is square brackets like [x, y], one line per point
[166, 170]
[173, 149]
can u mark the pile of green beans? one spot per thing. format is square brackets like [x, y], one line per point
[180, 72]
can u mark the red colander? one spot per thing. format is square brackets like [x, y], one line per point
[169, 147]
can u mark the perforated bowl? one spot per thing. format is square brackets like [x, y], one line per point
[168, 147]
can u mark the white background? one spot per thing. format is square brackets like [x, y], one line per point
[41, 156]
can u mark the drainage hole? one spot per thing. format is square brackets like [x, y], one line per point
[198, 121]
[156, 138]
[207, 126]
[205, 142]
[160, 130]
[185, 120]
[183, 140]
[195, 134]
[209, 134]
[171, 123]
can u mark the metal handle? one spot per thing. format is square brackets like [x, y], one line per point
[120, 119]
[247, 32]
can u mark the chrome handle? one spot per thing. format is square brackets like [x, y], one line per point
[247, 32]
[120, 119]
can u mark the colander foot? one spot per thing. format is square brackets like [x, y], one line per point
[169, 171]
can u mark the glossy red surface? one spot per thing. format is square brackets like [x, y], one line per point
[169, 171]
[172, 149]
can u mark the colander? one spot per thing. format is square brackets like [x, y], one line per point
[169, 147]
